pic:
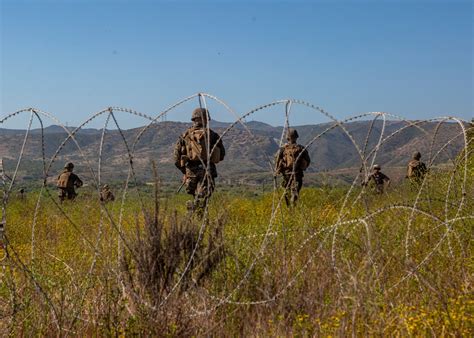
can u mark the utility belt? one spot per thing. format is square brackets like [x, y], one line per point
[194, 165]
[297, 173]
[199, 169]
[186, 162]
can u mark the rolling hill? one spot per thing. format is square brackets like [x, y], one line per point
[250, 148]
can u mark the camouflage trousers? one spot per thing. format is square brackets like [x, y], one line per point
[415, 181]
[292, 185]
[379, 188]
[200, 185]
[65, 193]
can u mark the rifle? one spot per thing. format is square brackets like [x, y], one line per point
[180, 187]
[182, 184]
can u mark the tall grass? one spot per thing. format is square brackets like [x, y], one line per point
[341, 263]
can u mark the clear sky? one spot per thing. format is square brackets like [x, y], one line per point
[75, 57]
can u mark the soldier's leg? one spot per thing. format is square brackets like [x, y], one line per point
[413, 184]
[191, 182]
[206, 187]
[61, 195]
[292, 190]
[203, 191]
[295, 189]
[286, 182]
[194, 178]
[191, 186]
[71, 194]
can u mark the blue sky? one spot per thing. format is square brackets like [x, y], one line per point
[72, 58]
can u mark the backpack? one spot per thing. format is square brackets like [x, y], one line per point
[290, 154]
[415, 169]
[196, 146]
[65, 181]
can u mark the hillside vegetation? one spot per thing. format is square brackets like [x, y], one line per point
[253, 149]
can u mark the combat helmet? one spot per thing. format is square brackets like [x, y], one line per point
[201, 113]
[416, 155]
[292, 133]
[69, 165]
[376, 167]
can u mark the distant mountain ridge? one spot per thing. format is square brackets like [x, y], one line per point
[247, 154]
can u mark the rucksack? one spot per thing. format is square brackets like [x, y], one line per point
[65, 181]
[290, 155]
[196, 146]
[415, 169]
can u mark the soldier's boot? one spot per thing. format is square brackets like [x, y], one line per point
[294, 198]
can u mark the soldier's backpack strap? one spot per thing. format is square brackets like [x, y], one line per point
[182, 150]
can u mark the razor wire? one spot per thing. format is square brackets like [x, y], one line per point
[331, 231]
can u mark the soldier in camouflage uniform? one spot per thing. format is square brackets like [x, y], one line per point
[106, 195]
[22, 194]
[67, 182]
[192, 159]
[379, 179]
[416, 169]
[291, 161]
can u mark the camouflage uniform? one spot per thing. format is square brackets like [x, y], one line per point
[292, 174]
[199, 182]
[66, 183]
[379, 179]
[22, 193]
[106, 195]
[416, 169]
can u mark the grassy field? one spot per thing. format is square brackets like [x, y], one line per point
[345, 261]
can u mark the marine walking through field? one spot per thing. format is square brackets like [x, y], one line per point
[291, 161]
[22, 194]
[106, 195]
[199, 149]
[67, 182]
[196, 154]
[379, 179]
[416, 169]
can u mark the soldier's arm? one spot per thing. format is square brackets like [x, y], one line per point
[423, 168]
[278, 161]
[306, 157]
[221, 145]
[177, 155]
[78, 182]
[215, 138]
